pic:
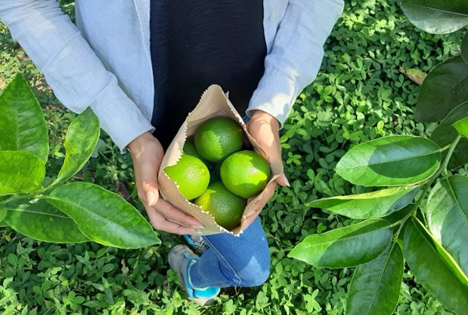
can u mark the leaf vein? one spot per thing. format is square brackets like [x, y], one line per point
[39, 213]
[381, 275]
[393, 160]
[99, 215]
[343, 239]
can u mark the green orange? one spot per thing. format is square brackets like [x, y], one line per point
[189, 149]
[245, 173]
[191, 176]
[218, 138]
[224, 206]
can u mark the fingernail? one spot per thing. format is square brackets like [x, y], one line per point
[151, 198]
[198, 227]
[199, 233]
[285, 179]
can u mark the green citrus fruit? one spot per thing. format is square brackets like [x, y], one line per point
[218, 138]
[189, 149]
[223, 205]
[245, 173]
[191, 176]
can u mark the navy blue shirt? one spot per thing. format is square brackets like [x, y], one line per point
[198, 43]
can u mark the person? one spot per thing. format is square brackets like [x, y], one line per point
[143, 65]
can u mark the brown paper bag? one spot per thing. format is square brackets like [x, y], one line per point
[214, 103]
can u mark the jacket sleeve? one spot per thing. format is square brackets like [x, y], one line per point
[76, 75]
[296, 55]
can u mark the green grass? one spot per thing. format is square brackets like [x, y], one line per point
[359, 94]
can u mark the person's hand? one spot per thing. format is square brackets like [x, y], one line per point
[264, 128]
[147, 154]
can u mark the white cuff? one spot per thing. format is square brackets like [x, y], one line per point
[275, 94]
[119, 116]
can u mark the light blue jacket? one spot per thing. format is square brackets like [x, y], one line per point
[105, 63]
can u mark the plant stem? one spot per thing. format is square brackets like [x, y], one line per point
[429, 182]
[16, 197]
[449, 153]
[446, 147]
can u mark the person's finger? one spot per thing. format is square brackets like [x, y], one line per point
[250, 219]
[171, 213]
[282, 180]
[258, 206]
[161, 224]
[147, 186]
[140, 191]
[147, 154]
[148, 171]
[267, 194]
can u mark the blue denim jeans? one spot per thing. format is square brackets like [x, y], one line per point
[232, 261]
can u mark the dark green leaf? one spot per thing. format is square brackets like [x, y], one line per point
[23, 127]
[103, 216]
[444, 88]
[82, 137]
[375, 287]
[464, 48]
[399, 215]
[433, 268]
[43, 222]
[345, 247]
[436, 16]
[3, 212]
[462, 127]
[390, 161]
[445, 134]
[20, 172]
[368, 205]
[447, 216]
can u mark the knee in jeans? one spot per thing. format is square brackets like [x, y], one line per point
[254, 279]
[255, 273]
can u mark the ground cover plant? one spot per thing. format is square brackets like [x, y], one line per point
[363, 92]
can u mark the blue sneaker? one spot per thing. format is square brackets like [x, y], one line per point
[196, 242]
[181, 259]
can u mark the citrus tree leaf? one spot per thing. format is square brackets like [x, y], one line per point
[444, 88]
[43, 222]
[445, 134]
[3, 223]
[399, 215]
[3, 212]
[20, 172]
[103, 216]
[82, 137]
[375, 287]
[433, 268]
[435, 16]
[22, 127]
[345, 247]
[447, 216]
[368, 205]
[462, 127]
[464, 48]
[390, 161]
[460, 155]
